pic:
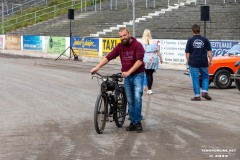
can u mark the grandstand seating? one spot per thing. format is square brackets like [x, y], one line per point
[175, 24]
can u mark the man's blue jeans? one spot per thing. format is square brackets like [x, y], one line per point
[133, 86]
[195, 79]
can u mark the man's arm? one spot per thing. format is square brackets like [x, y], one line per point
[136, 65]
[102, 63]
[210, 58]
[187, 58]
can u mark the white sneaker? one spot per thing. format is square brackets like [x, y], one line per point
[149, 92]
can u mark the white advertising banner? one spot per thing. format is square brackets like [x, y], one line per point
[173, 51]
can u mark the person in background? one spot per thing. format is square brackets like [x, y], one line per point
[131, 55]
[151, 58]
[199, 57]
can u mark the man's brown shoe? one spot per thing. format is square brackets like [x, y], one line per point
[139, 127]
[206, 96]
[196, 99]
[131, 127]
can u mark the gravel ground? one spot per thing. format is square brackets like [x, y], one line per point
[46, 113]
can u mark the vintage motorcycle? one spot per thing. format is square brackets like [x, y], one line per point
[236, 76]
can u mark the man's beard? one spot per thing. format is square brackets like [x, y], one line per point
[126, 41]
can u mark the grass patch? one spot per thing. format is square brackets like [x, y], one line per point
[39, 13]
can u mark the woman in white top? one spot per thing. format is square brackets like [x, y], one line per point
[151, 57]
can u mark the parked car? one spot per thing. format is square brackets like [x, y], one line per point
[222, 68]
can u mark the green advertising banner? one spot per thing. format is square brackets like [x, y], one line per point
[56, 45]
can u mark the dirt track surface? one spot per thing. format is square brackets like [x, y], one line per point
[46, 113]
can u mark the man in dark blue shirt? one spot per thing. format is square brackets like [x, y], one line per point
[199, 57]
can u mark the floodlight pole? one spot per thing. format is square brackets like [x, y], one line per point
[2, 17]
[133, 4]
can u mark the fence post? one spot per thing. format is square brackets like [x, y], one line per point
[81, 5]
[54, 11]
[7, 9]
[95, 5]
[111, 5]
[35, 16]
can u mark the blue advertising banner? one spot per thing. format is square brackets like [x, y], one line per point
[76, 42]
[220, 48]
[32, 43]
[86, 43]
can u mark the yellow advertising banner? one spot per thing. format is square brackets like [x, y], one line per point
[13, 42]
[108, 44]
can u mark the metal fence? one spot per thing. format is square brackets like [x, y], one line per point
[10, 8]
[206, 2]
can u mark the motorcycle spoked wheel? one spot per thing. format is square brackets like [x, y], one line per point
[237, 79]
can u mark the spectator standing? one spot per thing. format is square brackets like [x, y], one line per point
[199, 57]
[151, 57]
[131, 55]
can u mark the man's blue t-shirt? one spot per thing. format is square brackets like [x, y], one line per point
[198, 46]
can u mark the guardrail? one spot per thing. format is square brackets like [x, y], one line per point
[12, 8]
[206, 2]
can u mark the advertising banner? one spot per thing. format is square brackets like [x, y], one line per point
[2, 39]
[56, 45]
[12, 42]
[32, 43]
[108, 44]
[173, 51]
[220, 48]
[85, 46]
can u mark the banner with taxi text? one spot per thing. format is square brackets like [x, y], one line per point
[108, 44]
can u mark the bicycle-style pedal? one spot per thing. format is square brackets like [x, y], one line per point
[109, 118]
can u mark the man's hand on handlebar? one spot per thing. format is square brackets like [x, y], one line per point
[94, 70]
